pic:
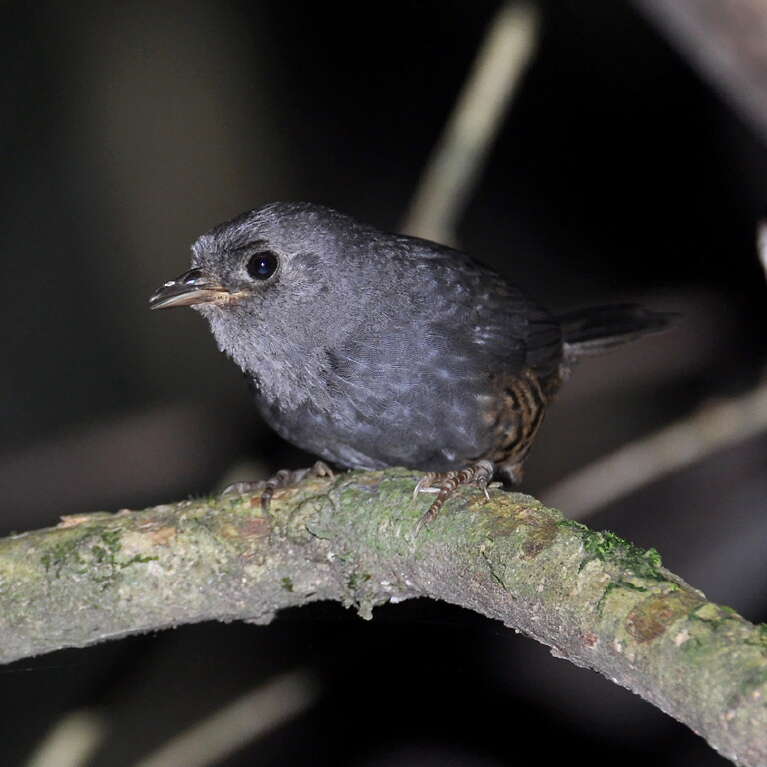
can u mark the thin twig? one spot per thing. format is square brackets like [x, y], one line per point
[71, 742]
[761, 244]
[460, 153]
[254, 714]
[669, 450]
[726, 40]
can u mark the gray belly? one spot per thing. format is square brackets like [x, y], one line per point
[318, 433]
[393, 438]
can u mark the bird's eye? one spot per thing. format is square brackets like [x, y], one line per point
[261, 266]
[191, 276]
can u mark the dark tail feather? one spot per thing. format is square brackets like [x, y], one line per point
[598, 329]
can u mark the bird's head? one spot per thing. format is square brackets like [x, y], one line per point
[279, 278]
[290, 247]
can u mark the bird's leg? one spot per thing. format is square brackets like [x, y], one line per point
[446, 483]
[283, 478]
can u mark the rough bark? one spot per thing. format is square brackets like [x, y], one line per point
[594, 598]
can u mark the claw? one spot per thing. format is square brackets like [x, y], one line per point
[482, 484]
[321, 469]
[283, 478]
[422, 486]
[478, 474]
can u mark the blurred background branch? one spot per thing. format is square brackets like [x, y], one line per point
[456, 162]
[246, 719]
[726, 41]
[672, 448]
[72, 742]
[664, 452]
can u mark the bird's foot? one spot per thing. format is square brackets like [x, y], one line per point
[283, 478]
[444, 484]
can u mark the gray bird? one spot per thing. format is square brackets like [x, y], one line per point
[372, 349]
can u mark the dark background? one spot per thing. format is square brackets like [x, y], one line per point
[619, 174]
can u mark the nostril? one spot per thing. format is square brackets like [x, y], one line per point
[191, 276]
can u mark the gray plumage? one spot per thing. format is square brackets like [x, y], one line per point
[373, 349]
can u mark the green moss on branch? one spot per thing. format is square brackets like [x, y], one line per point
[592, 597]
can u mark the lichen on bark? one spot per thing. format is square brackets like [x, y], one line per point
[593, 597]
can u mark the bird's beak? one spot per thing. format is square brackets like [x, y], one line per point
[192, 287]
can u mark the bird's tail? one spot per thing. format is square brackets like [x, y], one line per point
[598, 329]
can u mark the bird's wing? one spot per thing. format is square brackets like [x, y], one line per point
[506, 326]
[416, 374]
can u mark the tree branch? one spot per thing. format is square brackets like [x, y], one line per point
[593, 598]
